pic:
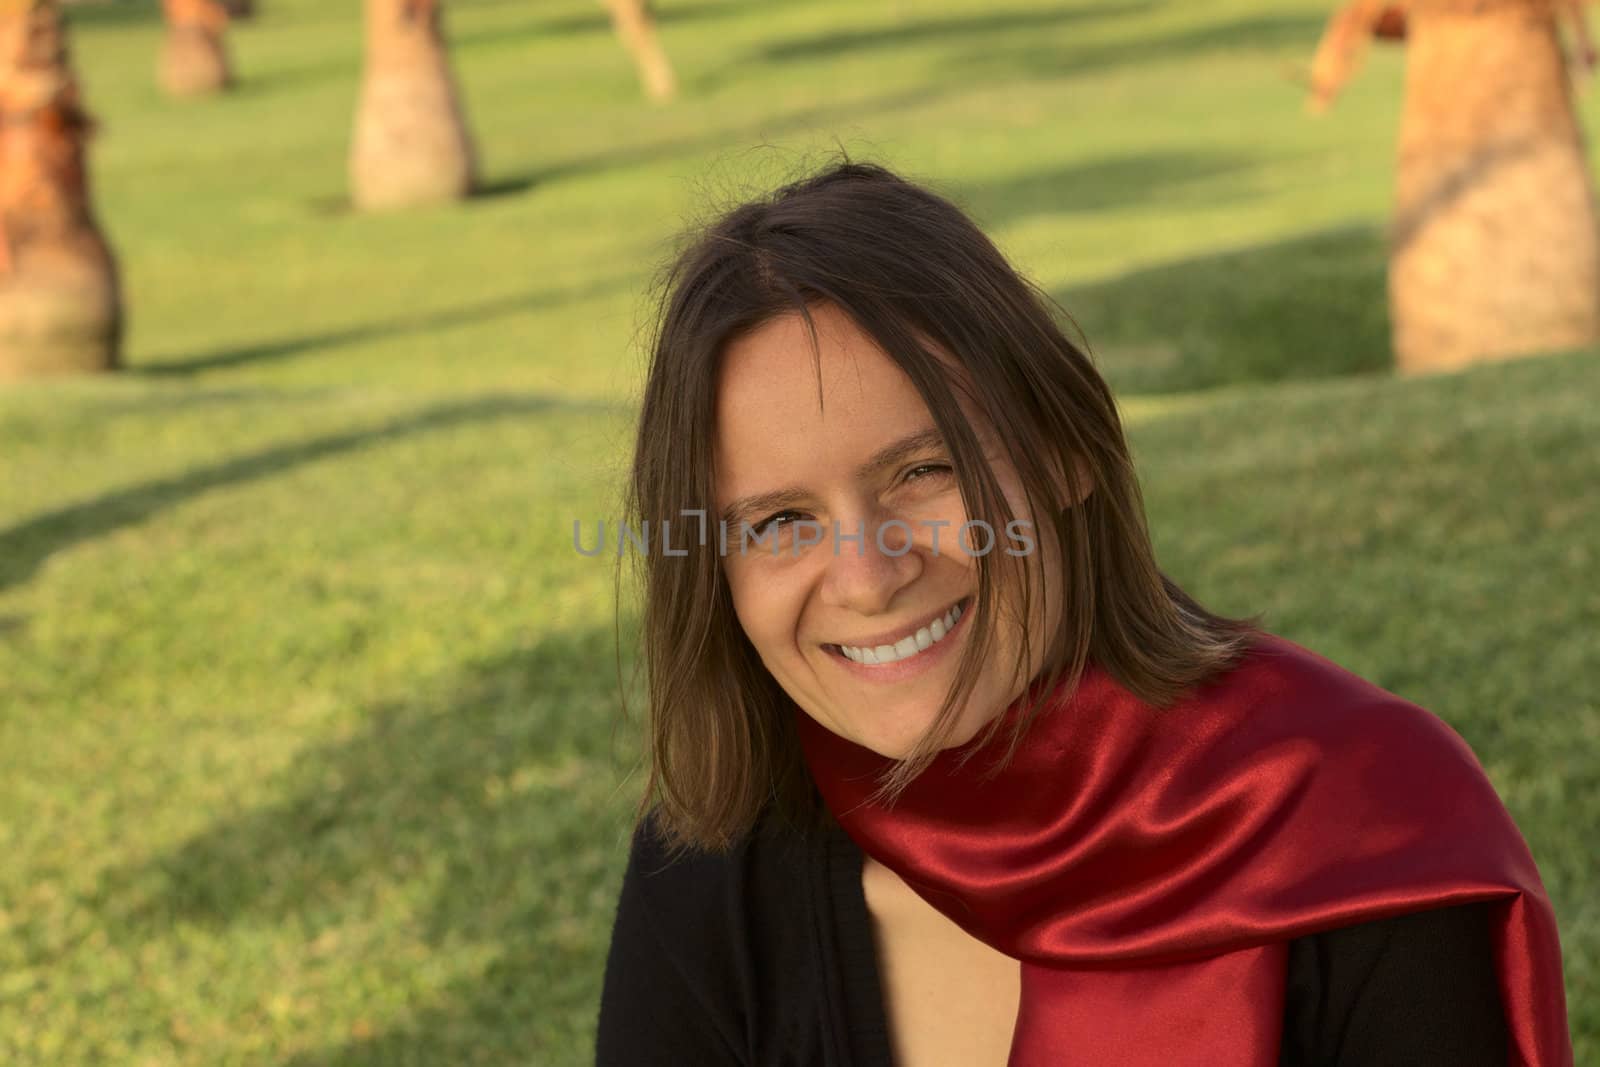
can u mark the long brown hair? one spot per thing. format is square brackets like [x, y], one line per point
[920, 278]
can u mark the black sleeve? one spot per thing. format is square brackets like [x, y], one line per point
[652, 1010]
[1416, 989]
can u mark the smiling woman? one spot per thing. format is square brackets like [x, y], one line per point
[1200, 843]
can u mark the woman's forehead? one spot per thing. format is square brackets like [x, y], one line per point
[783, 363]
[789, 413]
[782, 407]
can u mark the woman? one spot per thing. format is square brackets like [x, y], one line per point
[899, 531]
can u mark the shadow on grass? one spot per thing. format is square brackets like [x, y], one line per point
[751, 137]
[287, 79]
[912, 30]
[1314, 307]
[1164, 177]
[24, 547]
[1041, 57]
[91, 13]
[510, 185]
[985, 54]
[401, 325]
[487, 802]
[1031, 42]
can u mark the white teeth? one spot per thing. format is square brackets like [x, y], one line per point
[908, 646]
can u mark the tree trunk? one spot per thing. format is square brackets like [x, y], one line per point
[1493, 246]
[411, 144]
[194, 59]
[60, 307]
[637, 28]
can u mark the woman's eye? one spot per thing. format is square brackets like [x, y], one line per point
[782, 518]
[924, 471]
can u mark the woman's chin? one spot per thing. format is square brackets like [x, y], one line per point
[894, 737]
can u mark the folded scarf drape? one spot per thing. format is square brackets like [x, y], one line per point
[1148, 866]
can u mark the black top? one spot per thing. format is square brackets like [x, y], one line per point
[765, 956]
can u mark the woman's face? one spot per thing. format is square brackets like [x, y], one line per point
[863, 632]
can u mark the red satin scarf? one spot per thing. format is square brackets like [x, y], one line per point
[1148, 867]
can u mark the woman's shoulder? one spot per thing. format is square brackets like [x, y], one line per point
[765, 863]
[1416, 987]
[1284, 694]
[770, 834]
[714, 956]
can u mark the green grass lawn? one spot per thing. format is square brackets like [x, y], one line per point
[308, 743]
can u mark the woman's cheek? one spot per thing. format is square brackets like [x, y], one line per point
[767, 606]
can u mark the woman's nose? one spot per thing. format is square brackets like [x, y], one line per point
[869, 563]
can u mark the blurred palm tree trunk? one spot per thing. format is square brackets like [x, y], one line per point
[60, 306]
[411, 144]
[194, 57]
[1494, 248]
[636, 26]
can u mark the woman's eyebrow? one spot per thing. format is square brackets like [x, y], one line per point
[900, 451]
[888, 456]
[756, 504]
